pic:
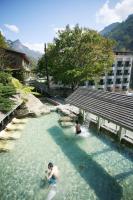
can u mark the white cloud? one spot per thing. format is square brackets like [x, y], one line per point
[12, 28]
[107, 15]
[2, 32]
[35, 46]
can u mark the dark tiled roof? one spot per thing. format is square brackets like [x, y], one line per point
[115, 107]
[123, 52]
[23, 55]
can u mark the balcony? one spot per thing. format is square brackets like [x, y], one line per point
[125, 84]
[101, 86]
[111, 76]
[120, 67]
[118, 85]
[114, 68]
[119, 76]
[127, 67]
[126, 75]
[91, 86]
[110, 85]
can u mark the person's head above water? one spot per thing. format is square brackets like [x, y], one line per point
[50, 165]
[77, 122]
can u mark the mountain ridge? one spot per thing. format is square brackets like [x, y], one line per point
[122, 33]
[109, 28]
[18, 46]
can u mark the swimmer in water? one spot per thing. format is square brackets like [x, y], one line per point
[78, 129]
[52, 174]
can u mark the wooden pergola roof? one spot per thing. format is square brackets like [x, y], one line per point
[114, 107]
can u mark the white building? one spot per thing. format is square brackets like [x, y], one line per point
[120, 77]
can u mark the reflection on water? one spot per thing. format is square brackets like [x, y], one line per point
[51, 193]
[90, 167]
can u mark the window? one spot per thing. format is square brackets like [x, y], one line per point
[125, 80]
[119, 72]
[109, 89]
[127, 63]
[91, 82]
[119, 63]
[124, 87]
[126, 72]
[101, 82]
[109, 81]
[118, 81]
[111, 73]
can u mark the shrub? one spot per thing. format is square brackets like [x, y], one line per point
[6, 91]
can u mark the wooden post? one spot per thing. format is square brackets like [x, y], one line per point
[121, 132]
[103, 121]
[83, 115]
[98, 123]
[125, 132]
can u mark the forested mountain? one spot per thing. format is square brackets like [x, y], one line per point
[123, 34]
[109, 28]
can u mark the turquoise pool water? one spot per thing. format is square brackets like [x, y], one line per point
[92, 168]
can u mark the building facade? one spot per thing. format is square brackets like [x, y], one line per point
[16, 62]
[120, 78]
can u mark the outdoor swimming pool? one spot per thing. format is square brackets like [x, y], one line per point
[90, 168]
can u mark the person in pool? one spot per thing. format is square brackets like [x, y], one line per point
[52, 174]
[78, 129]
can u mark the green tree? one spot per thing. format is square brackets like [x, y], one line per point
[22, 90]
[33, 64]
[6, 87]
[6, 91]
[3, 42]
[40, 67]
[77, 55]
[3, 56]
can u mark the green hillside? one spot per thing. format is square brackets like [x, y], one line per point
[123, 34]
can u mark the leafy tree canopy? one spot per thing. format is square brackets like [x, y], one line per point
[6, 91]
[3, 41]
[22, 89]
[77, 55]
[6, 87]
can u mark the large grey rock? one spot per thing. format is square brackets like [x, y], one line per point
[66, 124]
[65, 119]
[34, 105]
[68, 109]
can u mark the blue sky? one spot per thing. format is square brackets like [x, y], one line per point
[37, 21]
